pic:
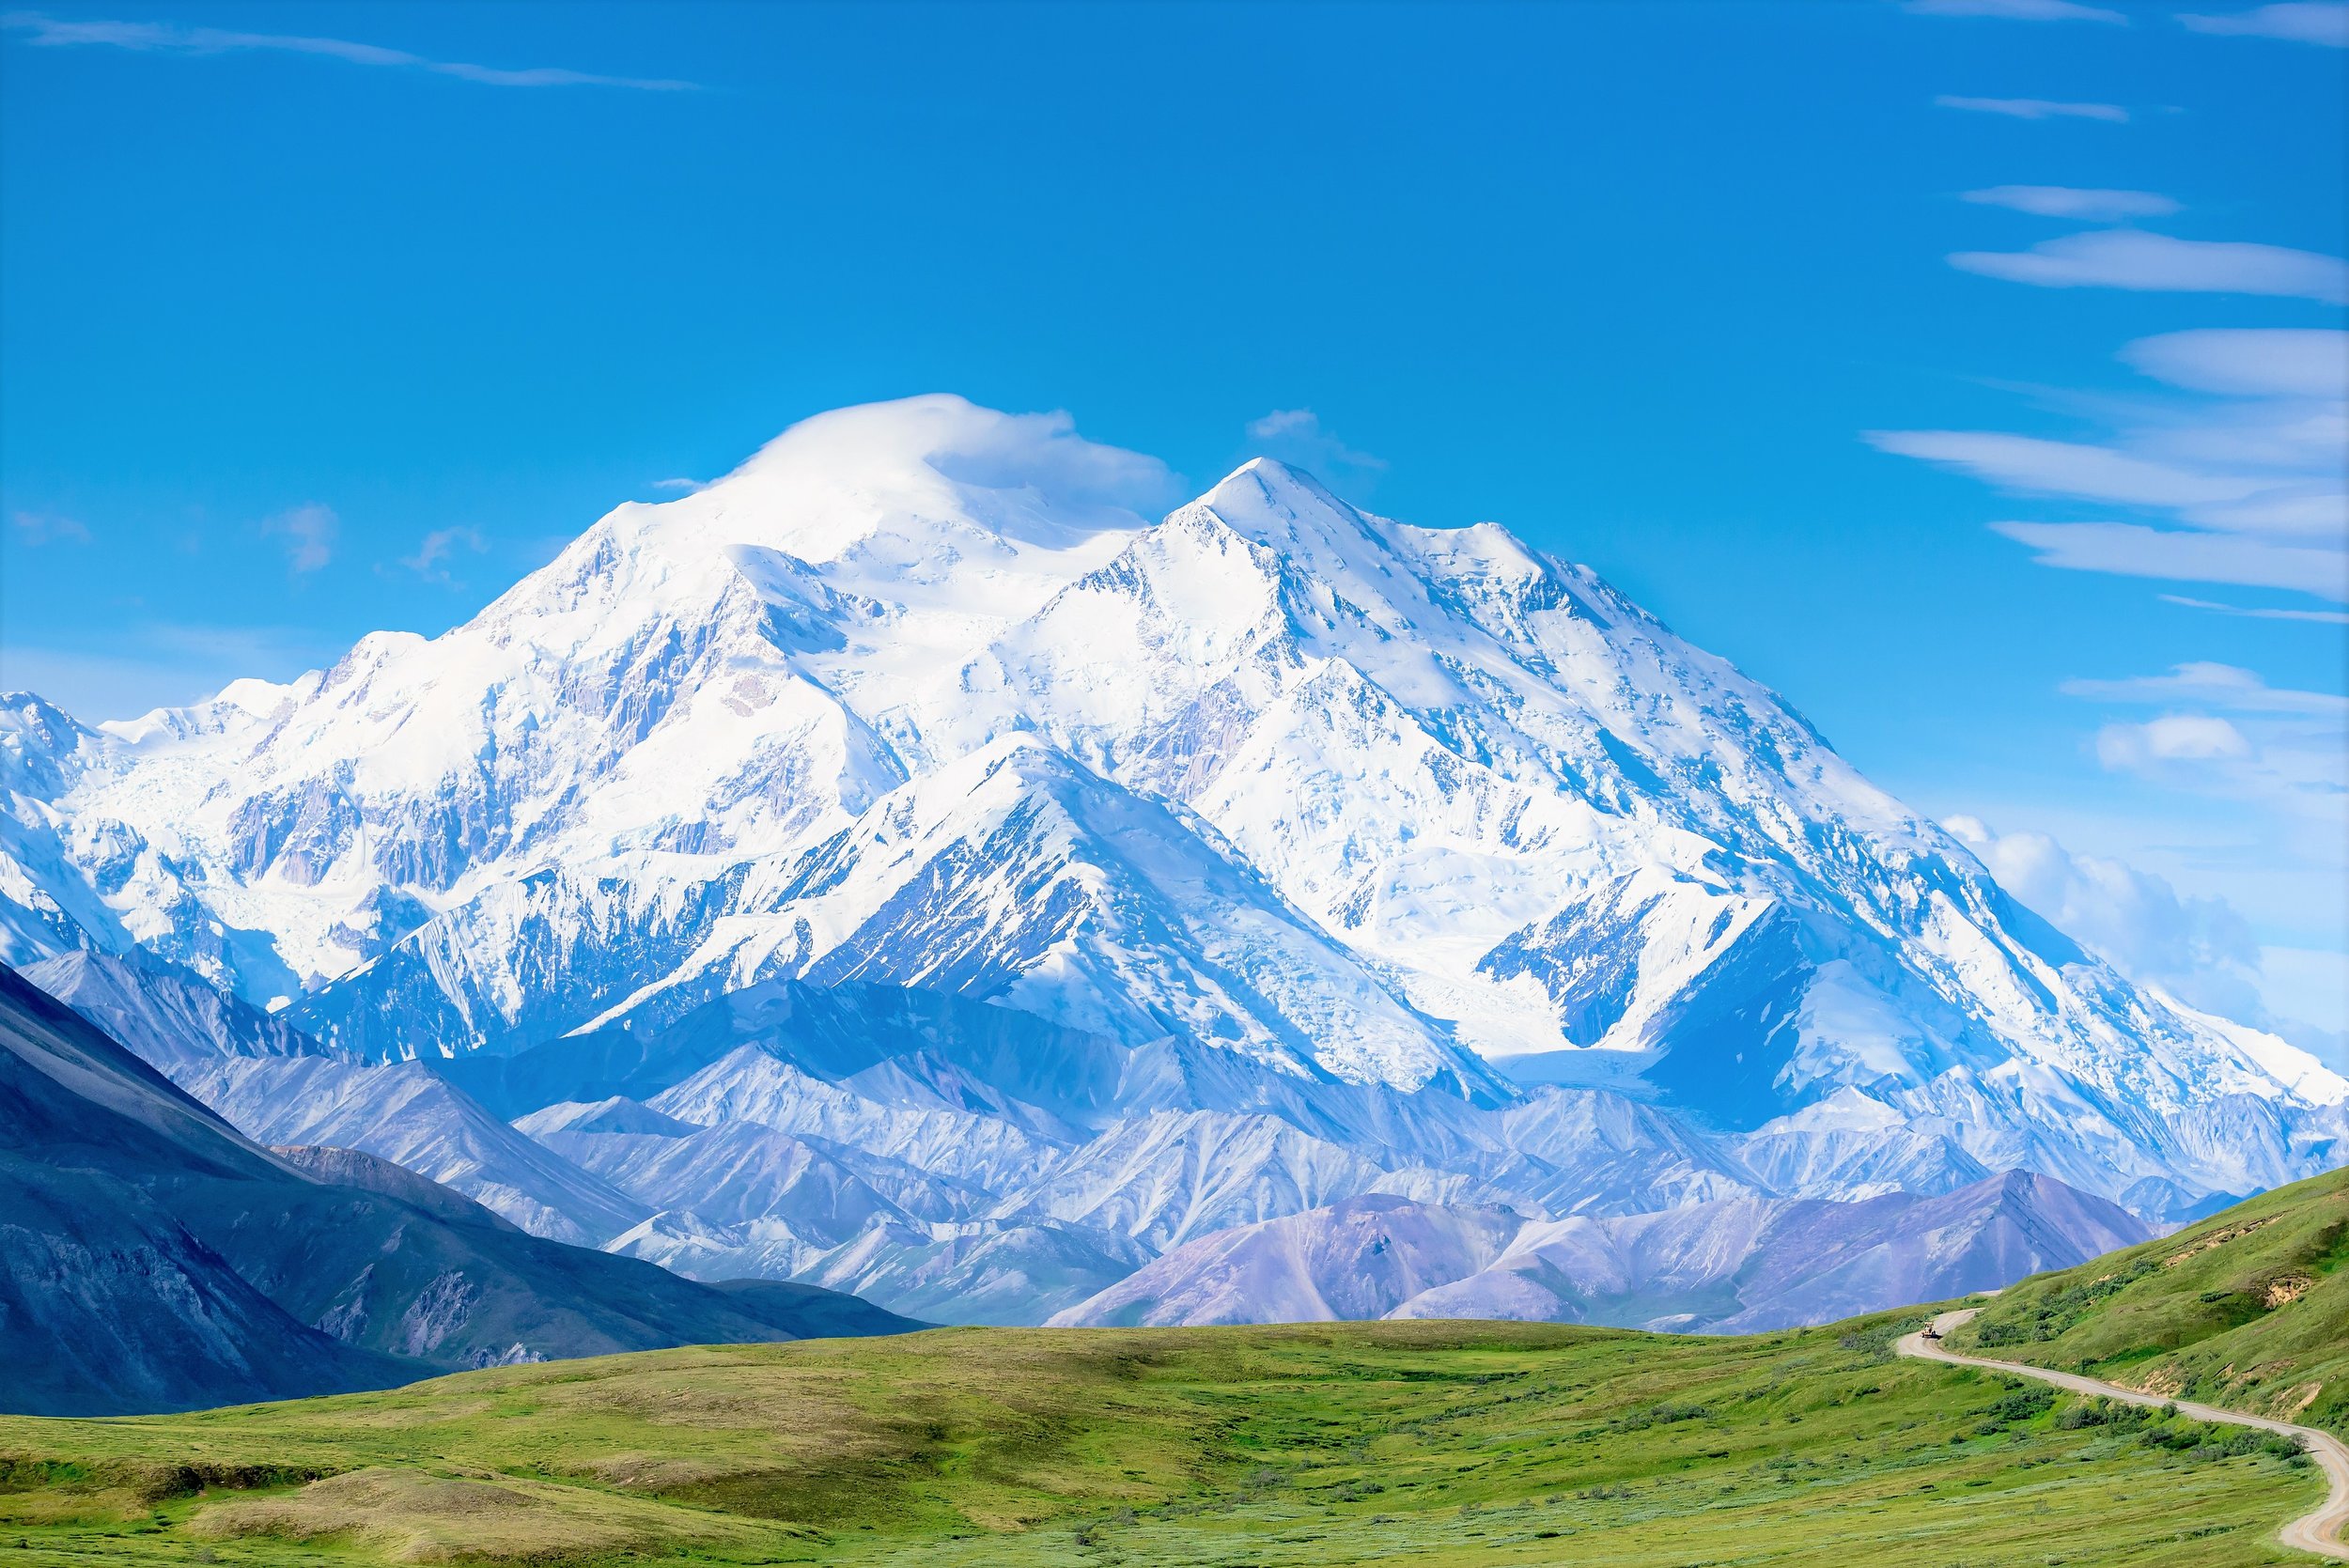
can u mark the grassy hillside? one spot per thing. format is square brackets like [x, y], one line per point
[2248, 1309]
[1417, 1443]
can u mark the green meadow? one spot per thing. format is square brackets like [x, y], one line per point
[1401, 1443]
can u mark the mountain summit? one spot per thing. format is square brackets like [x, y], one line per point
[918, 696]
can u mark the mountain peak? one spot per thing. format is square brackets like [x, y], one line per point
[1267, 481]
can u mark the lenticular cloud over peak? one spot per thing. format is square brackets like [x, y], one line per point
[905, 442]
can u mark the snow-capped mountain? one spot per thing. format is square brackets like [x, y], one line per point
[911, 699]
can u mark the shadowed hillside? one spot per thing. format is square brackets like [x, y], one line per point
[153, 1259]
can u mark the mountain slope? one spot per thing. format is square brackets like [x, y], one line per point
[107, 1301]
[1731, 1266]
[868, 1137]
[277, 1085]
[150, 1257]
[912, 696]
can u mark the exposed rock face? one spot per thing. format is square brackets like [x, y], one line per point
[438, 1310]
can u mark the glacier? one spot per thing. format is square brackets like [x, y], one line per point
[1238, 862]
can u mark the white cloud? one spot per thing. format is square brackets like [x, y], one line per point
[162, 37]
[2249, 784]
[310, 530]
[2270, 765]
[2282, 752]
[2035, 108]
[41, 528]
[2306, 22]
[980, 446]
[2259, 612]
[2182, 555]
[2171, 737]
[1281, 421]
[2041, 467]
[2133, 258]
[2313, 507]
[2235, 787]
[1295, 435]
[2065, 201]
[2224, 686]
[2018, 10]
[2234, 501]
[2200, 950]
[2291, 437]
[438, 549]
[1091, 484]
[2270, 361]
[684, 486]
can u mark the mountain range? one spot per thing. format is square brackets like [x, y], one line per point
[1729, 1265]
[900, 866]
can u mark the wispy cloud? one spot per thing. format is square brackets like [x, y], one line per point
[438, 549]
[2226, 687]
[2289, 763]
[2035, 108]
[310, 532]
[41, 528]
[2229, 735]
[686, 485]
[2274, 763]
[164, 38]
[2268, 362]
[2182, 555]
[2259, 612]
[2307, 21]
[2245, 483]
[2064, 201]
[2134, 258]
[2249, 501]
[1296, 435]
[2017, 11]
[2037, 467]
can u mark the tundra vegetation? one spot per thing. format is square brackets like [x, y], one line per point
[2247, 1309]
[1419, 1443]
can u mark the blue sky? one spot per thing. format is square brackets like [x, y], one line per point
[1968, 369]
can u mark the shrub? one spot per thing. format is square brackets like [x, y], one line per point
[2022, 1403]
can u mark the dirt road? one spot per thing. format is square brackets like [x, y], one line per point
[2317, 1531]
